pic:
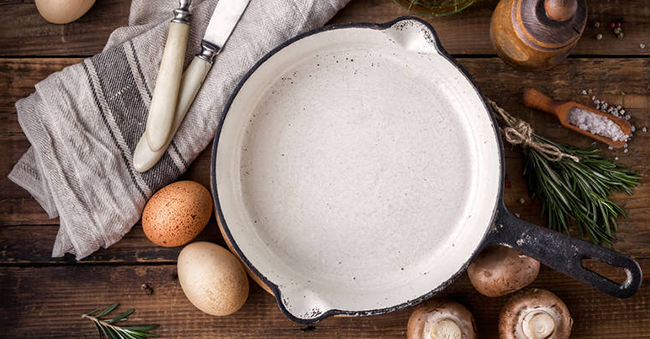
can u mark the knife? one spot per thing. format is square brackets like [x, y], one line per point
[224, 19]
[165, 95]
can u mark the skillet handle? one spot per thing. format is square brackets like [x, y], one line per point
[564, 254]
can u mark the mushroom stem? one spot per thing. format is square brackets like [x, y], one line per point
[538, 325]
[446, 329]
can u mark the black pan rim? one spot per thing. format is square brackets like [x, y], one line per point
[498, 204]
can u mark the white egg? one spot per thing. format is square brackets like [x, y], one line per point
[212, 278]
[63, 11]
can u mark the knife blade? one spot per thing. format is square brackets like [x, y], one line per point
[225, 18]
[223, 22]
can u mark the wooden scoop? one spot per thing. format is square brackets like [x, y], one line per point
[536, 99]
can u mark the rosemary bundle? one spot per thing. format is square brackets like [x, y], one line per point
[108, 328]
[570, 182]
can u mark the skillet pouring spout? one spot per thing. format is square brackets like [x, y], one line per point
[565, 254]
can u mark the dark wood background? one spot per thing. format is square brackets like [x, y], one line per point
[43, 297]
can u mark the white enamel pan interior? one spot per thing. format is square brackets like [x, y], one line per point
[357, 170]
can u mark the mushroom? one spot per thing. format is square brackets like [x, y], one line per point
[500, 270]
[535, 314]
[441, 319]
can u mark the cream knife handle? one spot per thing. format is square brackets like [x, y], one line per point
[143, 157]
[165, 95]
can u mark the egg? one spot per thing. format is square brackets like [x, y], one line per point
[63, 11]
[177, 213]
[212, 278]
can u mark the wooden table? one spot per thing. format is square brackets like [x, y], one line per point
[43, 297]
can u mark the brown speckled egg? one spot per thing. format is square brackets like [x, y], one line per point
[177, 213]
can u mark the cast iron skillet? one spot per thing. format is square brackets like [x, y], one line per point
[555, 250]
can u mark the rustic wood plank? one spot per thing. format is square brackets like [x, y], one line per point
[25, 33]
[606, 77]
[634, 234]
[467, 32]
[28, 245]
[45, 302]
[18, 77]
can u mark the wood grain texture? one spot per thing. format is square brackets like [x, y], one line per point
[25, 33]
[467, 32]
[134, 248]
[42, 297]
[564, 82]
[46, 302]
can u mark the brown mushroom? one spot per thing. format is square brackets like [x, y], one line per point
[535, 314]
[500, 270]
[441, 319]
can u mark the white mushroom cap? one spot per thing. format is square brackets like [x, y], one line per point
[441, 319]
[535, 314]
[500, 270]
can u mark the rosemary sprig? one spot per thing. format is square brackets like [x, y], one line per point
[108, 328]
[578, 190]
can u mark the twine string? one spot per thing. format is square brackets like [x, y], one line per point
[519, 132]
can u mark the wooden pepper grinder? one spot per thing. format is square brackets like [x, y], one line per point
[537, 34]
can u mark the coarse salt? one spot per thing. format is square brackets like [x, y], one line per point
[596, 124]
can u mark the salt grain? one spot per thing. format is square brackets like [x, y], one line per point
[596, 124]
[626, 150]
[611, 148]
[642, 46]
[616, 158]
[644, 129]
[633, 129]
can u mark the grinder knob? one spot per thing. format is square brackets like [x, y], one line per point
[561, 10]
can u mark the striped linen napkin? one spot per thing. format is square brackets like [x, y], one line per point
[84, 122]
